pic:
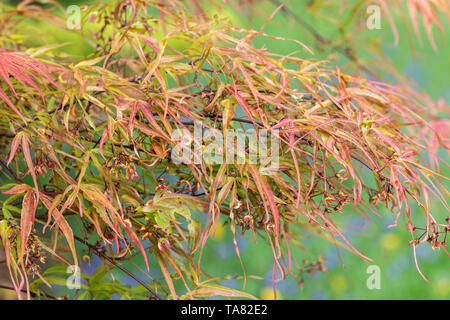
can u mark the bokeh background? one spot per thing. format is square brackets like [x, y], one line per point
[347, 273]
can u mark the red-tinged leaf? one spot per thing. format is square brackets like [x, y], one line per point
[24, 62]
[210, 290]
[249, 81]
[102, 142]
[166, 274]
[5, 98]
[236, 248]
[391, 21]
[147, 130]
[63, 226]
[173, 264]
[25, 80]
[20, 188]
[144, 107]
[29, 161]
[14, 146]
[29, 206]
[138, 243]
[429, 31]
[4, 74]
[333, 227]
[417, 264]
[132, 117]
[413, 16]
[247, 109]
[445, 250]
[69, 202]
[92, 193]
[23, 68]
[225, 191]
[13, 269]
[264, 188]
[53, 207]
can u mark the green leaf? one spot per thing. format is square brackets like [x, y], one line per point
[210, 290]
[84, 296]
[161, 220]
[98, 275]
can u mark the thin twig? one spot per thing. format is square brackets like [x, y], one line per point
[15, 176]
[19, 180]
[155, 295]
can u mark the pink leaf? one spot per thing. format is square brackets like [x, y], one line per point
[29, 205]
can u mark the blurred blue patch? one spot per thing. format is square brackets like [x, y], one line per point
[318, 295]
[90, 268]
[395, 270]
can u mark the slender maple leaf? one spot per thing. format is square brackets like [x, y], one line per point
[27, 71]
[29, 206]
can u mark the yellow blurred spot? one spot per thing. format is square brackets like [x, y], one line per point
[219, 231]
[267, 294]
[338, 284]
[390, 241]
[442, 288]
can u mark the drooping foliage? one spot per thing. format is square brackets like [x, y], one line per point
[88, 145]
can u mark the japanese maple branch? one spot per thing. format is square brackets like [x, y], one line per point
[15, 176]
[19, 180]
[100, 254]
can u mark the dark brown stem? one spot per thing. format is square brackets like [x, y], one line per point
[19, 180]
[15, 176]
[100, 254]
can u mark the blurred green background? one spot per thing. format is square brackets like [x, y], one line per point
[386, 246]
